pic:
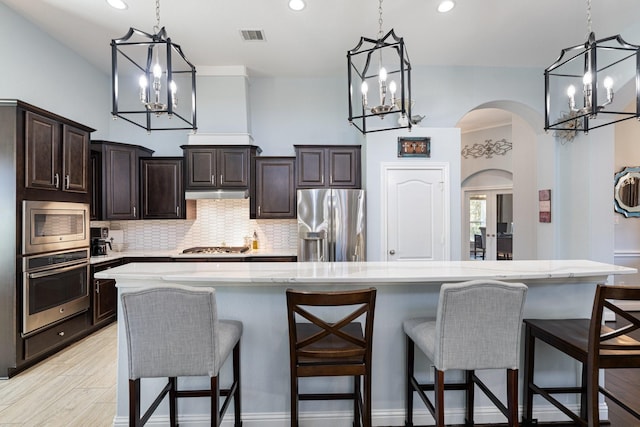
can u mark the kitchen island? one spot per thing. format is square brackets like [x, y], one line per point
[254, 294]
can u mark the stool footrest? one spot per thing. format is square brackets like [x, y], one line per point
[326, 396]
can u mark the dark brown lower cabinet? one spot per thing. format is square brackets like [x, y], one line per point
[104, 294]
[54, 337]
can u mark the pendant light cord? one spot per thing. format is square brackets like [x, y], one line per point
[380, 20]
[588, 18]
[156, 28]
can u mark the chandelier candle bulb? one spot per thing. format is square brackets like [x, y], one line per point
[143, 89]
[364, 88]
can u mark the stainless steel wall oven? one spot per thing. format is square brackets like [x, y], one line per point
[55, 286]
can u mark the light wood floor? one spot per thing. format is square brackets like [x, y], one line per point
[75, 387]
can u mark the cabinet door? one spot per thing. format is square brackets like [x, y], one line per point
[105, 293]
[275, 187]
[201, 168]
[42, 152]
[344, 167]
[162, 189]
[121, 184]
[75, 158]
[310, 167]
[233, 167]
[106, 297]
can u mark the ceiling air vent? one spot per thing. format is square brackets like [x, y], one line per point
[252, 35]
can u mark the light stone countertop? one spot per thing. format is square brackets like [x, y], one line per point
[379, 273]
[177, 253]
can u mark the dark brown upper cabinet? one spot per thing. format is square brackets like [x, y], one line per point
[56, 154]
[211, 167]
[275, 192]
[119, 176]
[323, 166]
[162, 188]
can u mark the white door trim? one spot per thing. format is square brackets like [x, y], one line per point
[385, 167]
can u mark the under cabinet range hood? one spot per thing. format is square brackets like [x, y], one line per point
[216, 194]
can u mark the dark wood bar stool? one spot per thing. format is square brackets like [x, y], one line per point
[323, 348]
[174, 331]
[593, 344]
[478, 325]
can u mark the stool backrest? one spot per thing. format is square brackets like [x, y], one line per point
[171, 331]
[601, 337]
[348, 345]
[479, 325]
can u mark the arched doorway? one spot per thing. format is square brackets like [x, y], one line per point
[502, 162]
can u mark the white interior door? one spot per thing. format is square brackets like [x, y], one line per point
[417, 213]
[488, 214]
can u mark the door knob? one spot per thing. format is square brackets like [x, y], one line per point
[392, 252]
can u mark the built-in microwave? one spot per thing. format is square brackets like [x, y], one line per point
[54, 226]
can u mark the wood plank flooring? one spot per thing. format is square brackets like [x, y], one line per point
[76, 388]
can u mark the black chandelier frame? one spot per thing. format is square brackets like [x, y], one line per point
[158, 41]
[579, 120]
[368, 47]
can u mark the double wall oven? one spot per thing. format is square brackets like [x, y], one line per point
[55, 262]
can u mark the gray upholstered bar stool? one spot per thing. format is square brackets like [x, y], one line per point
[478, 325]
[174, 331]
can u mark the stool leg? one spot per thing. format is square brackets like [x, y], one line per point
[439, 396]
[173, 401]
[357, 398]
[512, 397]
[236, 379]
[215, 402]
[593, 392]
[134, 403]
[294, 398]
[527, 395]
[409, 387]
[468, 380]
[367, 397]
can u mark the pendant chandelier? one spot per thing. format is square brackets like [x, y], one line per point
[381, 71]
[153, 83]
[600, 68]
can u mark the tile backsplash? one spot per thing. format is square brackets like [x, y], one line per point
[217, 223]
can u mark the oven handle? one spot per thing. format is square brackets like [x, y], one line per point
[56, 271]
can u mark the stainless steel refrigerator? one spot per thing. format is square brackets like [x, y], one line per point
[331, 225]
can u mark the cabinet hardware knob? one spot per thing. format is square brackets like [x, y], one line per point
[392, 252]
[177, 210]
[134, 212]
[213, 180]
[61, 333]
[67, 182]
[258, 210]
[56, 180]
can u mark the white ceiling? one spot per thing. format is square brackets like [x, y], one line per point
[314, 42]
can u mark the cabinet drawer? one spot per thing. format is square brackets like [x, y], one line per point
[55, 336]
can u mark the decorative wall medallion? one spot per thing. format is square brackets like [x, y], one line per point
[488, 149]
[414, 146]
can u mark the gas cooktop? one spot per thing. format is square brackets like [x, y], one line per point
[216, 250]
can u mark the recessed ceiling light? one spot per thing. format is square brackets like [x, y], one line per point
[117, 4]
[446, 6]
[296, 5]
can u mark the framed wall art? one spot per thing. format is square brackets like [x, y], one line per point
[414, 146]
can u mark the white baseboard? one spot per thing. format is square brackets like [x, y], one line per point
[483, 415]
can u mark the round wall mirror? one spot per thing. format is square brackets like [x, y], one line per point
[626, 192]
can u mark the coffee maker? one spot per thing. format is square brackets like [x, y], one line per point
[99, 240]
